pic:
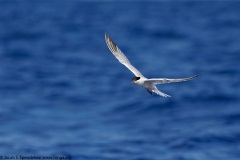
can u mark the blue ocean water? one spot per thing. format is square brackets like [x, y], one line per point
[62, 92]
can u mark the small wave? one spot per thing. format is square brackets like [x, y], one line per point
[232, 119]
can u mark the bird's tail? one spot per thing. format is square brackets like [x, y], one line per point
[155, 90]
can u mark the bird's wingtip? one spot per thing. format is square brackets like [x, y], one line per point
[199, 74]
[106, 35]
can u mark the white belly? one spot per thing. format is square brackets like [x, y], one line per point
[144, 85]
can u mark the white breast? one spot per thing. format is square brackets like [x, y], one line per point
[141, 82]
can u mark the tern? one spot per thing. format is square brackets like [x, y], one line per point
[139, 79]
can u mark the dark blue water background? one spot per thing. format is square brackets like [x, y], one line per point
[63, 93]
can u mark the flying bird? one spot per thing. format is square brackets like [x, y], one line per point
[139, 79]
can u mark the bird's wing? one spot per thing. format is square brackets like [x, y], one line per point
[155, 90]
[120, 56]
[168, 80]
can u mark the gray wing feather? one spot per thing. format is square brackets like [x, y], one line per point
[168, 80]
[120, 56]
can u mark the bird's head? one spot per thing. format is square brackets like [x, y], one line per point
[134, 79]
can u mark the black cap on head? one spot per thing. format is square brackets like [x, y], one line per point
[135, 78]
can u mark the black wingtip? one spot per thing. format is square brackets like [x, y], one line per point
[199, 74]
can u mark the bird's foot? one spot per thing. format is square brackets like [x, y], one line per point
[149, 91]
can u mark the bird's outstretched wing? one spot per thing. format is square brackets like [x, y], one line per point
[168, 80]
[120, 56]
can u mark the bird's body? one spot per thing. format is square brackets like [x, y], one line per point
[142, 83]
[139, 79]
